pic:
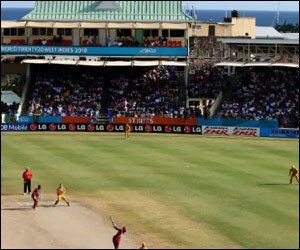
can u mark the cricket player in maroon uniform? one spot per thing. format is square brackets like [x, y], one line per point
[27, 176]
[117, 237]
[36, 196]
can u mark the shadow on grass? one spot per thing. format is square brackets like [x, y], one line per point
[17, 208]
[25, 208]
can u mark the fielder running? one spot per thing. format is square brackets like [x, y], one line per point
[293, 173]
[61, 195]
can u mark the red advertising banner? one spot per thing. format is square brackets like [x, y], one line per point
[156, 121]
[74, 119]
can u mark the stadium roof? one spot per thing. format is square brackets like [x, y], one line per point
[258, 41]
[8, 96]
[258, 64]
[293, 36]
[132, 63]
[77, 24]
[148, 11]
[267, 32]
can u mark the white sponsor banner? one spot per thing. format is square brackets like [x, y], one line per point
[230, 131]
[243, 131]
[215, 130]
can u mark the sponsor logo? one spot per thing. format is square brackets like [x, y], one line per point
[197, 130]
[168, 129]
[215, 131]
[148, 128]
[80, 127]
[72, 127]
[245, 132]
[91, 127]
[157, 128]
[33, 127]
[61, 127]
[187, 129]
[4, 127]
[176, 129]
[52, 126]
[148, 51]
[24, 119]
[137, 128]
[136, 120]
[100, 127]
[110, 127]
[14, 127]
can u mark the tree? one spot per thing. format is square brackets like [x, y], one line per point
[293, 28]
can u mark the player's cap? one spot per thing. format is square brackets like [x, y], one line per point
[39, 186]
[27, 168]
[124, 229]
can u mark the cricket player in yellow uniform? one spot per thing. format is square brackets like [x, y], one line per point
[144, 246]
[61, 194]
[293, 173]
[127, 129]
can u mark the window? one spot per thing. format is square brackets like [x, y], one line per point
[49, 32]
[42, 31]
[21, 32]
[147, 33]
[91, 32]
[35, 31]
[176, 33]
[152, 33]
[211, 30]
[165, 33]
[64, 32]
[68, 32]
[13, 32]
[6, 32]
[124, 32]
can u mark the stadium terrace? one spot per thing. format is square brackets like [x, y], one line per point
[116, 62]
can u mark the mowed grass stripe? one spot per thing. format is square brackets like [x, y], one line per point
[256, 206]
[222, 182]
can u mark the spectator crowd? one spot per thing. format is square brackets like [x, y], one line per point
[259, 93]
[154, 93]
[207, 82]
[265, 93]
[66, 93]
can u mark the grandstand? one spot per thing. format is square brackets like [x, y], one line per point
[75, 74]
[165, 68]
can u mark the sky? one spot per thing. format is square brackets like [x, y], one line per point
[205, 5]
[245, 5]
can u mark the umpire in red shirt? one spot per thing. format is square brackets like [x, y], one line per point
[27, 176]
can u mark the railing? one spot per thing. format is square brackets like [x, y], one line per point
[216, 105]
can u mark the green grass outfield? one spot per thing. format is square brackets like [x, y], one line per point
[172, 191]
